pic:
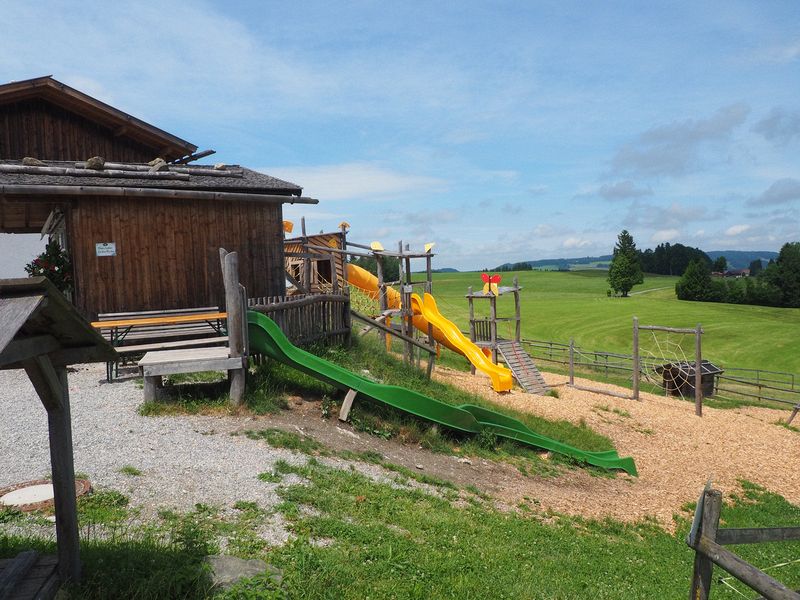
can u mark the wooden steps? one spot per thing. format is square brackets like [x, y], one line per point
[28, 576]
[522, 366]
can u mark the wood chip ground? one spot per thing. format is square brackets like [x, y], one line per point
[675, 451]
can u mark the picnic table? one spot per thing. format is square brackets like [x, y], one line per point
[154, 329]
[122, 327]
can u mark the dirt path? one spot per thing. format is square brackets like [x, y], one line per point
[675, 451]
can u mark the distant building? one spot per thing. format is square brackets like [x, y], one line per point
[737, 273]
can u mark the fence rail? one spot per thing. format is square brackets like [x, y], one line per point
[736, 384]
[309, 318]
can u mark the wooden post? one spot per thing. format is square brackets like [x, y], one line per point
[517, 314]
[698, 373]
[233, 306]
[53, 389]
[306, 260]
[636, 365]
[382, 300]
[471, 324]
[572, 361]
[703, 566]
[493, 326]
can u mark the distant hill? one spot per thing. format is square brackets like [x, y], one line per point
[741, 259]
[562, 264]
[445, 270]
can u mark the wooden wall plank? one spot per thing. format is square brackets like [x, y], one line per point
[167, 252]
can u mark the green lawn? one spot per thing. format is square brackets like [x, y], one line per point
[560, 305]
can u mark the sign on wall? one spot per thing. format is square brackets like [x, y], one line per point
[105, 249]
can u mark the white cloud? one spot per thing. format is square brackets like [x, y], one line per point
[622, 190]
[544, 230]
[664, 235]
[735, 230]
[574, 242]
[355, 181]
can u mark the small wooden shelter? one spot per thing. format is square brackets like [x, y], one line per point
[679, 378]
[41, 332]
[142, 226]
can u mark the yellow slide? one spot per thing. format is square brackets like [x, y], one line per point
[444, 331]
[502, 379]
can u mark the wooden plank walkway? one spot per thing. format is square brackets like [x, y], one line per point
[522, 366]
[29, 576]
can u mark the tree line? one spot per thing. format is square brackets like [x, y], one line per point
[776, 285]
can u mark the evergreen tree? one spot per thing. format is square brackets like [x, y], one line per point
[695, 283]
[720, 265]
[756, 267]
[625, 270]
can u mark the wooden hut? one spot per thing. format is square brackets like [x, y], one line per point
[143, 234]
[311, 267]
[679, 378]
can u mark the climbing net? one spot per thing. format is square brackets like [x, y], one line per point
[667, 359]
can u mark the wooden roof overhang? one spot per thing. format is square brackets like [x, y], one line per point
[42, 333]
[169, 146]
[26, 208]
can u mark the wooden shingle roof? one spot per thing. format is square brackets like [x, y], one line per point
[69, 98]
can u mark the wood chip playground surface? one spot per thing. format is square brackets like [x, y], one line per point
[675, 451]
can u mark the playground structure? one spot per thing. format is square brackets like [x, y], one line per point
[318, 263]
[483, 333]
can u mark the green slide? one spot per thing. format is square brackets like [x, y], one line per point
[267, 338]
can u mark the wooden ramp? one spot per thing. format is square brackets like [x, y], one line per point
[522, 366]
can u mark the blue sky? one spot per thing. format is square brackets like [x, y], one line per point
[502, 131]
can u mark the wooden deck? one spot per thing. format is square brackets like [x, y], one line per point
[28, 576]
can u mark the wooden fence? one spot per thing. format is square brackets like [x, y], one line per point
[308, 319]
[734, 384]
[708, 541]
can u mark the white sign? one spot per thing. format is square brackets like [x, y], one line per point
[106, 249]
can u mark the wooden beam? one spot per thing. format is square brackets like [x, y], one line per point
[53, 389]
[386, 329]
[344, 412]
[757, 535]
[45, 381]
[19, 350]
[236, 318]
[743, 571]
[41, 192]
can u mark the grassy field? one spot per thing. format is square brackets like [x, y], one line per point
[560, 305]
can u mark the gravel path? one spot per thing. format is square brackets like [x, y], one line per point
[184, 460]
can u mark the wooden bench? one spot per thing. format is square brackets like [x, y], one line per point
[133, 334]
[169, 362]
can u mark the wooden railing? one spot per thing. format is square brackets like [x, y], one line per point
[308, 319]
[707, 540]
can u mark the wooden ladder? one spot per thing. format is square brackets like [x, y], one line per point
[522, 366]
